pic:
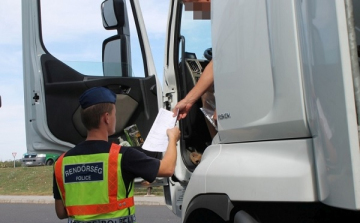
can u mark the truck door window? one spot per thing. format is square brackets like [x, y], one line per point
[155, 19]
[195, 38]
[73, 32]
[197, 32]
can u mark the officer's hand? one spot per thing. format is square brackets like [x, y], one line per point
[173, 134]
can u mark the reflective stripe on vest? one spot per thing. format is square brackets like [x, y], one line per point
[94, 209]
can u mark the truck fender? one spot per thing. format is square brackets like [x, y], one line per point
[220, 204]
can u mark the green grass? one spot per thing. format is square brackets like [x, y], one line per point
[26, 180]
[38, 181]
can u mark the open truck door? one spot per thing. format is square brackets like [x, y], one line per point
[53, 85]
[187, 53]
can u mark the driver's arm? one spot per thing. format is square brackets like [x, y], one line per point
[205, 81]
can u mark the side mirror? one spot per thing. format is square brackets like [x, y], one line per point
[116, 56]
[113, 14]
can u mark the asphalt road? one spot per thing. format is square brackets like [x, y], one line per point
[45, 213]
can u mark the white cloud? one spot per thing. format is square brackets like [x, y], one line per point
[10, 22]
[12, 130]
[12, 127]
[155, 15]
[73, 19]
[10, 63]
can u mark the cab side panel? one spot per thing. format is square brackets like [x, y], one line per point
[258, 83]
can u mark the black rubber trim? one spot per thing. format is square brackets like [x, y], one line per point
[220, 204]
[40, 28]
[169, 31]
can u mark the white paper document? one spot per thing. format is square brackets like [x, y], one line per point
[157, 140]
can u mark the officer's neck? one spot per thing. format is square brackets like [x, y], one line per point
[97, 134]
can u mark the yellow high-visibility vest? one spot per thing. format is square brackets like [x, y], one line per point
[92, 188]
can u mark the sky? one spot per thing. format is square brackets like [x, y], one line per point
[12, 117]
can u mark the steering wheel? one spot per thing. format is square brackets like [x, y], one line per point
[208, 54]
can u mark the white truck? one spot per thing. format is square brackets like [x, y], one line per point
[287, 97]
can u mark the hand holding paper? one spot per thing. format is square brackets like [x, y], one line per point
[157, 140]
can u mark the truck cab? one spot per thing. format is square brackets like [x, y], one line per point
[286, 83]
[286, 77]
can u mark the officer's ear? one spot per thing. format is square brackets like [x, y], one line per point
[106, 116]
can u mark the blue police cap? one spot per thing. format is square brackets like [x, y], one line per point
[96, 95]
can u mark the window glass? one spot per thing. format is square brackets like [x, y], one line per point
[155, 18]
[197, 33]
[73, 32]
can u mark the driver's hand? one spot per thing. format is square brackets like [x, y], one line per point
[183, 107]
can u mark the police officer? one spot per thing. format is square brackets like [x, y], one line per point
[93, 182]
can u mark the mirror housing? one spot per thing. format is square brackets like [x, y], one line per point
[116, 56]
[113, 14]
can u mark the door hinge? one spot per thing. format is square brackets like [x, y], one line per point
[36, 97]
[167, 100]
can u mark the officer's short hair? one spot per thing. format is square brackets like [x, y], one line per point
[90, 116]
[95, 102]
